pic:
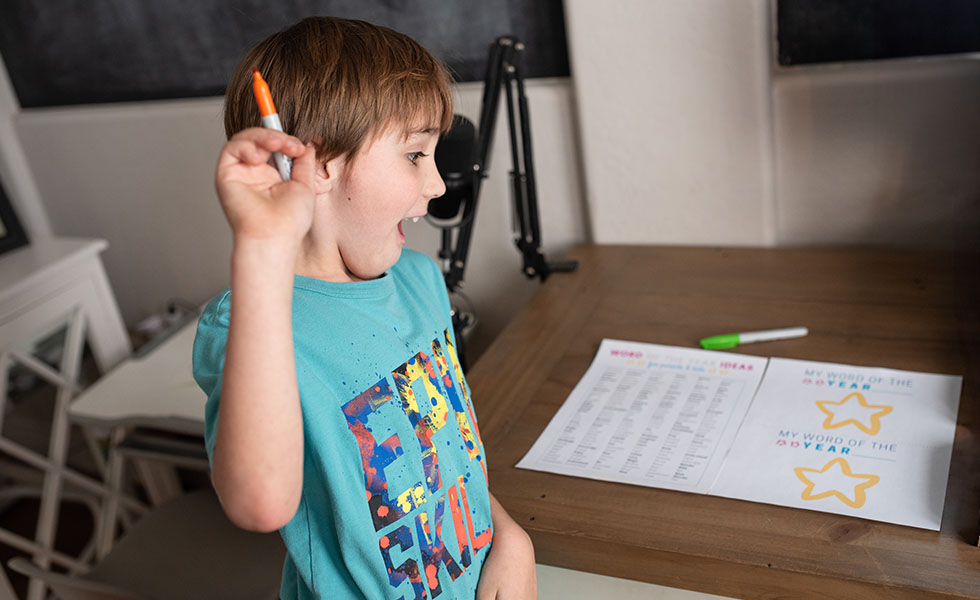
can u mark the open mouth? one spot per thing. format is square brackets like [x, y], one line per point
[401, 232]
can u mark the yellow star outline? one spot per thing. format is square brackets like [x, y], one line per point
[859, 496]
[875, 418]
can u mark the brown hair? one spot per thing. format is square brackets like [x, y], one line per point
[336, 82]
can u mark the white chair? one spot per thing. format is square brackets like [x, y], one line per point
[52, 284]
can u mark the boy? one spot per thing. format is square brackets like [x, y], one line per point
[337, 412]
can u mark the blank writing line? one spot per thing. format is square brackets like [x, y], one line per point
[874, 457]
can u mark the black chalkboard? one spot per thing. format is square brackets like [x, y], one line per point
[822, 31]
[61, 53]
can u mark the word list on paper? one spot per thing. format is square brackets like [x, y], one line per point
[653, 418]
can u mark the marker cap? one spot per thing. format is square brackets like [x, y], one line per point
[262, 94]
[720, 342]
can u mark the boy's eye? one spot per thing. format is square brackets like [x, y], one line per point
[415, 156]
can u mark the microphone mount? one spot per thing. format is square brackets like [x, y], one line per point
[503, 71]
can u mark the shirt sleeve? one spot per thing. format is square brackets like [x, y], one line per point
[209, 361]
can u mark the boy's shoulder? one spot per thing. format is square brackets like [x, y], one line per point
[414, 262]
[217, 310]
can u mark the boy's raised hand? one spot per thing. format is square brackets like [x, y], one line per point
[256, 202]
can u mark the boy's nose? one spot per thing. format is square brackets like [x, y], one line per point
[435, 186]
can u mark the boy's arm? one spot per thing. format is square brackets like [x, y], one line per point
[258, 454]
[509, 572]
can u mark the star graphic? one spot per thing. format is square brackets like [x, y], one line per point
[854, 410]
[828, 479]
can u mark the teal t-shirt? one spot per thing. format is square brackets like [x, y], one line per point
[395, 501]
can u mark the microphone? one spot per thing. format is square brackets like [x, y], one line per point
[454, 159]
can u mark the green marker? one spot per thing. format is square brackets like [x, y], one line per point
[730, 340]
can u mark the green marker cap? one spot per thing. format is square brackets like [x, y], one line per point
[720, 342]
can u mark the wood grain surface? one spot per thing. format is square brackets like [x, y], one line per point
[900, 309]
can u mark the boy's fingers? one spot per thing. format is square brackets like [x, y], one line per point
[243, 151]
[293, 147]
[254, 147]
[270, 140]
[257, 134]
[304, 165]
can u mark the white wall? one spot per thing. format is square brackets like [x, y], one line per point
[693, 135]
[673, 106]
[140, 175]
[883, 153]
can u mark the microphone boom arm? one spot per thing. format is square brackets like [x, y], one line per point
[503, 71]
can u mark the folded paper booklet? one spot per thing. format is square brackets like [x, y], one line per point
[868, 442]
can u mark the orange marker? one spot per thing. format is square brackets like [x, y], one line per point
[270, 119]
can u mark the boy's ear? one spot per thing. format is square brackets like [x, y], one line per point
[327, 175]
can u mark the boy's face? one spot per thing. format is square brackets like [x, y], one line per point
[390, 180]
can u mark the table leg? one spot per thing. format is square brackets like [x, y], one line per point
[114, 472]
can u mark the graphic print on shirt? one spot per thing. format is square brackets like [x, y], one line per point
[420, 532]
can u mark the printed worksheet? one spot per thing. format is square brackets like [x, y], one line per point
[869, 442]
[872, 443]
[651, 415]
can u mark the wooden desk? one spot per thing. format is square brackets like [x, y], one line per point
[909, 310]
